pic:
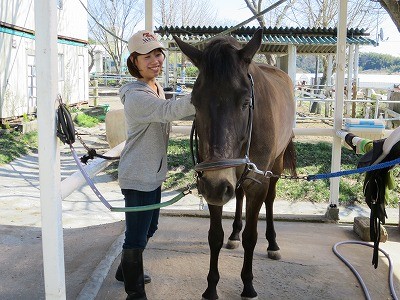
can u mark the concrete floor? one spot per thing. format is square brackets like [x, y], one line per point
[177, 260]
[177, 257]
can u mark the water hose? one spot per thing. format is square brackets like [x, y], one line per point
[359, 278]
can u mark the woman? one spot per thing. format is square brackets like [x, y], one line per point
[143, 164]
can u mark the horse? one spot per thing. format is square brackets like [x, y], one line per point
[243, 123]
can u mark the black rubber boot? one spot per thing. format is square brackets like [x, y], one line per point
[132, 270]
[120, 277]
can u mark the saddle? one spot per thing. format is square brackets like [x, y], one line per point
[378, 182]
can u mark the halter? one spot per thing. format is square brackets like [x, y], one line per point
[226, 162]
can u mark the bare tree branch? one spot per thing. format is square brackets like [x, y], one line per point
[185, 12]
[119, 17]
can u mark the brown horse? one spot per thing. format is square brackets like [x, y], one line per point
[244, 119]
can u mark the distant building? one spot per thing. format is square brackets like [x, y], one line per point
[17, 56]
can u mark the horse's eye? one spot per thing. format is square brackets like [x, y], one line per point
[245, 104]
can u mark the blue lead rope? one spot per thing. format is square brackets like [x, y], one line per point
[354, 171]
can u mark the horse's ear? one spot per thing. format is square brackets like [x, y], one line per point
[190, 51]
[247, 52]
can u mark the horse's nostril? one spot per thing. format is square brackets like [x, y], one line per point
[222, 191]
[200, 186]
[226, 191]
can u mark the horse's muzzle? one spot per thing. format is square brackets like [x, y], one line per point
[216, 192]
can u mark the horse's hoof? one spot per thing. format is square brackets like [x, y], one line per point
[202, 298]
[232, 244]
[247, 298]
[275, 255]
[209, 296]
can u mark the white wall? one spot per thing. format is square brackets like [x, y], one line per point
[15, 50]
[18, 12]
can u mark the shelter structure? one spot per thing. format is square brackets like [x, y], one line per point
[284, 42]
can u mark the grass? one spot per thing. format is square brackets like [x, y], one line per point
[90, 117]
[84, 120]
[181, 171]
[14, 144]
[312, 158]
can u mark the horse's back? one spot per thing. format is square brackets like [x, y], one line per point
[279, 85]
[275, 73]
[276, 91]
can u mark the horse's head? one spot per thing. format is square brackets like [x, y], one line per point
[222, 96]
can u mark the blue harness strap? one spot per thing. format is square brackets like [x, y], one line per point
[354, 171]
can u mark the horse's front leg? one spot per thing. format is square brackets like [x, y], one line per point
[215, 241]
[253, 206]
[234, 238]
[270, 234]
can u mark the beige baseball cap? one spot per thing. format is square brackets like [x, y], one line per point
[144, 42]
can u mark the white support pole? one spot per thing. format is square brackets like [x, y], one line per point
[291, 70]
[349, 79]
[292, 52]
[356, 63]
[350, 69]
[328, 109]
[148, 21]
[49, 154]
[329, 72]
[338, 116]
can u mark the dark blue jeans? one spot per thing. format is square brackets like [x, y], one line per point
[140, 225]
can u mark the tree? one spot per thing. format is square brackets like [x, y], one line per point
[184, 12]
[324, 13]
[393, 9]
[378, 62]
[314, 13]
[275, 17]
[113, 21]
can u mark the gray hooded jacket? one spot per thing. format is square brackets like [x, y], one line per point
[143, 163]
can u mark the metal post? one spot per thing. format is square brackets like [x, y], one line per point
[49, 154]
[349, 81]
[328, 108]
[355, 67]
[338, 116]
[148, 22]
[95, 92]
[292, 53]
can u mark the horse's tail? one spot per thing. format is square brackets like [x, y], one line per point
[290, 159]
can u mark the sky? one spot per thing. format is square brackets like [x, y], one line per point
[236, 11]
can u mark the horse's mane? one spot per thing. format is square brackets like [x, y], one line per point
[220, 60]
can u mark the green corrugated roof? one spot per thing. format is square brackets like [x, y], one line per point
[275, 40]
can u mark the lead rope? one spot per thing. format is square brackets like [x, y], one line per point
[66, 133]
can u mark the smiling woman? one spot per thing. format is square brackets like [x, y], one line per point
[143, 164]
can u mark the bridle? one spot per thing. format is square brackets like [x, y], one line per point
[226, 162]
